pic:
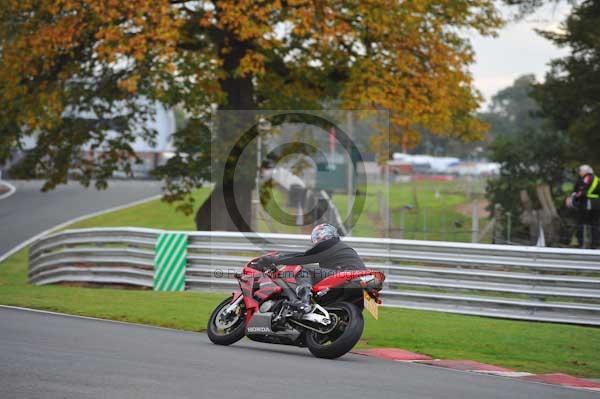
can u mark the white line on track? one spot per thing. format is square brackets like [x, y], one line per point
[74, 220]
[11, 190]
[92, 318]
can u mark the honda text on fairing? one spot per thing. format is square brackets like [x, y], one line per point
[261, 310]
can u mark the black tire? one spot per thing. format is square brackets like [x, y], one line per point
[230, 335]
[342, 343]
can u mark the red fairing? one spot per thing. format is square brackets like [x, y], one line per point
[288, 273]
[246, 282]
[343, 277]
[266, 288]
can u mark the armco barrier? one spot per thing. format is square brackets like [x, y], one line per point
[528, 283]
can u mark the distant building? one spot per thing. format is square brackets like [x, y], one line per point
[151, 156]
[404, 164]
[425, 163]
[476, 169]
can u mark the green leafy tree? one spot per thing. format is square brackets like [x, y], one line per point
[530, 150]
[571, 92]
[512, 109]
[567, 132]
[528, 159]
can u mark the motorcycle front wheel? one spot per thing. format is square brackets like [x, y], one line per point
[348, 330]
[226, 329]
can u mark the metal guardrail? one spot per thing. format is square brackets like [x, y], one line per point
[528, 283]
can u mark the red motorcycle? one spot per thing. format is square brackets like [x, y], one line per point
[261, 310]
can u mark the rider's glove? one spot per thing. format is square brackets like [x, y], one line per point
[266, 263]
[572, 201]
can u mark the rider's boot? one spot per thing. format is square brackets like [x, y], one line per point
[302, 303]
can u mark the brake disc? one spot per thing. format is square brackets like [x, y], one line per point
[223, 321]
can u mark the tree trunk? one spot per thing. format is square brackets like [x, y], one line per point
[216, 212]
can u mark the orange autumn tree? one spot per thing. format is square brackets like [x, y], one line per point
[84, 74]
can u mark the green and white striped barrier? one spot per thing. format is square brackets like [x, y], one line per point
[170, 261]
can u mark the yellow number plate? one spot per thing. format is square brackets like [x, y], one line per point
[371, 305]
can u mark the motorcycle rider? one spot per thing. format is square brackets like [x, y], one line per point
[328, 251]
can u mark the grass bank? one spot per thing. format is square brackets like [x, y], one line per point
[527, 346]
[153, 214]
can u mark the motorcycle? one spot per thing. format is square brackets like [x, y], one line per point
[261, 310]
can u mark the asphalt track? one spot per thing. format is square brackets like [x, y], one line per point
[52, 356]
[29, 211]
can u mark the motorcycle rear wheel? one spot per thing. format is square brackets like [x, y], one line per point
[343, 338]
[232, 333]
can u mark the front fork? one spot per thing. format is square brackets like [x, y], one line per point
[233, 305]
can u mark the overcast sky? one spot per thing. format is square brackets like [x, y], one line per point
[517, 50]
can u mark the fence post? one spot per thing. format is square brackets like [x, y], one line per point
[384, 211]
[350, 174]
[444, 231]
[508, 226]
[424, 223]
[474, 223]
[299, 215]
[387, 215]
[402, 221]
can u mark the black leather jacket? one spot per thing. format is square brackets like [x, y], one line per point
[329, 254]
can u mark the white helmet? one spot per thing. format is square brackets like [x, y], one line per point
[585, 169]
